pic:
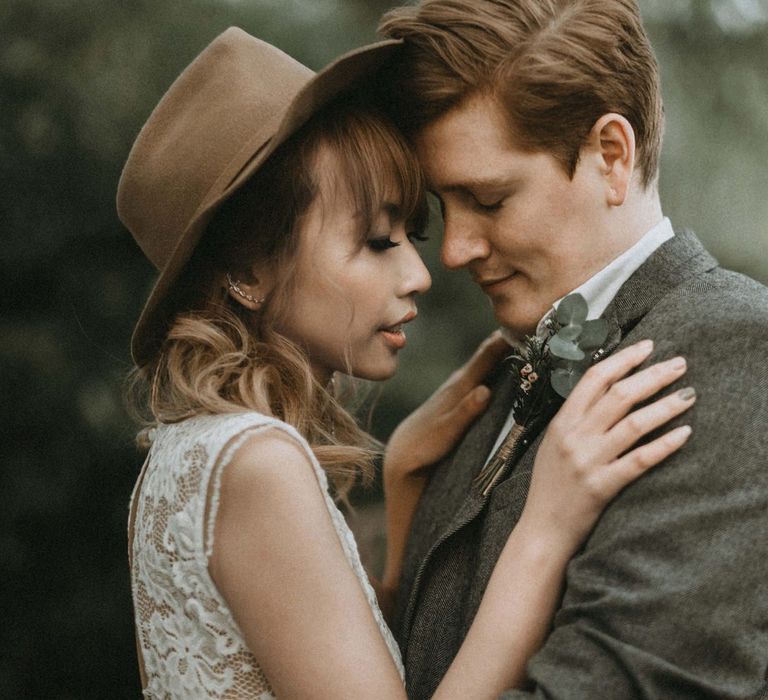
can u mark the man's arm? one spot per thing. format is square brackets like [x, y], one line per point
[669, 598]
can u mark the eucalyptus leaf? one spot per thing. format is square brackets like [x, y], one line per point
[594, 334]
[565, 349]
[563, 381]
[571, 332]
[572, 310]
[575, 365]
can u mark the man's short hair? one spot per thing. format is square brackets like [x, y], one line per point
[556, 66]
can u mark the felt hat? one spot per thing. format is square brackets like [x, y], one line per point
[216, 125]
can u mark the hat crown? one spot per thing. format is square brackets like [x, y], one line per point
[231, 98]
[219, 122]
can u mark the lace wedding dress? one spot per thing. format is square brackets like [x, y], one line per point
[189, 643]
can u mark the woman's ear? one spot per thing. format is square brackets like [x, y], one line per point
[614, 138]
[249, 288]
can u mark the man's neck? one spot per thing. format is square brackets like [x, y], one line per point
[639, 213]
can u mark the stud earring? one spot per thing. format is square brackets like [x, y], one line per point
[235, 287]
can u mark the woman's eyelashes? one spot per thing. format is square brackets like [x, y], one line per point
[381, 243]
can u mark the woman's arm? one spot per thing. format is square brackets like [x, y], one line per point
[278, 563]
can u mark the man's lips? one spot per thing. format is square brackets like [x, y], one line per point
[491, 284]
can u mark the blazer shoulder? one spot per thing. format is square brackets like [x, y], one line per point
[719, 298]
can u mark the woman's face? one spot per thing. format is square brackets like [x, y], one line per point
[350, 300]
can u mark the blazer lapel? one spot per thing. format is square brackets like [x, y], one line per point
[674, 261]
[449, 497]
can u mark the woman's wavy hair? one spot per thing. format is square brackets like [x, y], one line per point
[219, 357]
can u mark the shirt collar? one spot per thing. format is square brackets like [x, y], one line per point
[600, 289]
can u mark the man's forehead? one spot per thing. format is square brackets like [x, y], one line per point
[469, 148]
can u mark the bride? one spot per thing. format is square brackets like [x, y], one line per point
[281, 214]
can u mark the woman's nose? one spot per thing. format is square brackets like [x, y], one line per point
[416, 277]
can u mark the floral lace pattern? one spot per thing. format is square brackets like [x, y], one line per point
[190, 643]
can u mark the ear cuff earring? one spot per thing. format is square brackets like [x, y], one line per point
[235, 287]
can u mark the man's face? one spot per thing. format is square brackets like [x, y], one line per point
[526, 232]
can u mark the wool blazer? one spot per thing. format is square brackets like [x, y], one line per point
[668, 598]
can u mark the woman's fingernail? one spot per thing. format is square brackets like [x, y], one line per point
[687, 394]
[645, 345]
[683, 432]
[679, 363]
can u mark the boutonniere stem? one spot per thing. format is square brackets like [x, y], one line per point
[546, 372]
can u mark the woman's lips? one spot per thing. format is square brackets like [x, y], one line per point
[395, 335]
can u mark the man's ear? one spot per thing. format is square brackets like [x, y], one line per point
[249, 287]
[613, 138]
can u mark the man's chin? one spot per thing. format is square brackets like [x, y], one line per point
[516, 324]
[515, 328]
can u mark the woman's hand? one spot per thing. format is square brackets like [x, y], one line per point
[431, 431]
[425, 436]
[587, 454]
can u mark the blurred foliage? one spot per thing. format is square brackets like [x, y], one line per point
[77, 80]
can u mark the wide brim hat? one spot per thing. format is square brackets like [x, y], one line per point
[222, 118]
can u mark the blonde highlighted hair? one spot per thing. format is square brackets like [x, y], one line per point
[218, 356]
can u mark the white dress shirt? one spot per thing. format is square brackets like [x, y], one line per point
[599, 290]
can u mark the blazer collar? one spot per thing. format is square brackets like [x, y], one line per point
[674, 261]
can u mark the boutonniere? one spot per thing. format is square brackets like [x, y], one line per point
[546, 371]
[576, 343]
[549, 368]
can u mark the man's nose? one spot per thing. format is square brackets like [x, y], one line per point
[462, 242]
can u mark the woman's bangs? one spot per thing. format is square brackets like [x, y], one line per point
[380, 170]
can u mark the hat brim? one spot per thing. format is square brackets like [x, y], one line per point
[338, 77]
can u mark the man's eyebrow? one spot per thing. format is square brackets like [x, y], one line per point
[472, 183]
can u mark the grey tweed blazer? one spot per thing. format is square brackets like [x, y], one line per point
[669, 596]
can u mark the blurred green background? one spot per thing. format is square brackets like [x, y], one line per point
[77, 80]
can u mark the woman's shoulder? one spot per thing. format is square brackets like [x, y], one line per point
[275, 458]
[248, 443]
[245, 447]
[269, 471]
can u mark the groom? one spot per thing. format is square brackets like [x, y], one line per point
[539, 125]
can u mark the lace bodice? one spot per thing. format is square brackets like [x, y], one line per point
[190, 643]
